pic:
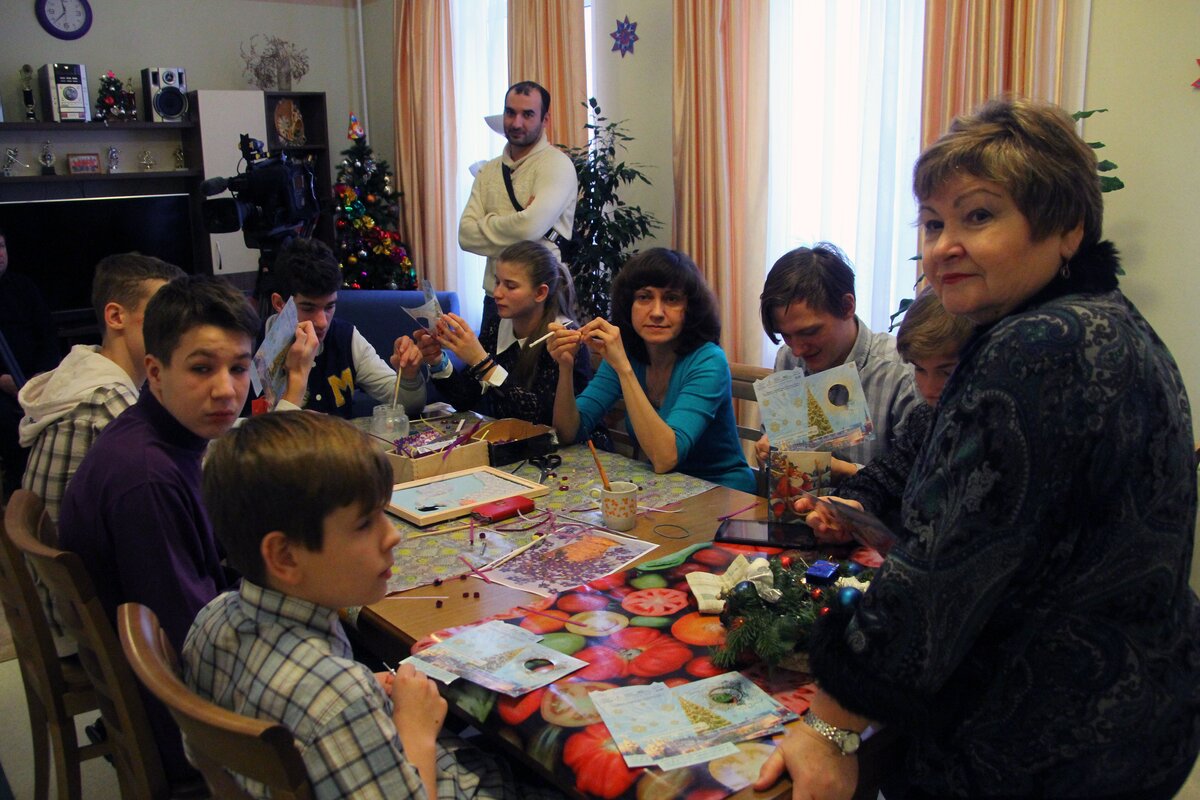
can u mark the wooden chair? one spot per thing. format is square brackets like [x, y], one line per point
[56, 689]
[139, 765]
[217, 739]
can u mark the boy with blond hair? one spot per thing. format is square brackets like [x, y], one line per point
[297, 500]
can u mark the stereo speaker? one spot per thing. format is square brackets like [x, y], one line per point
[164, 93]
[65, 92]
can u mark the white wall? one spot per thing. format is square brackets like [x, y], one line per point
[202, 36]
[1141, 63]
[637, 89]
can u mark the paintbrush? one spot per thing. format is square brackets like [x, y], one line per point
[599, 466]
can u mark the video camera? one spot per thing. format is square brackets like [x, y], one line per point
[273, 201]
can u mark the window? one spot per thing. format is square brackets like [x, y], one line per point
[845, 103]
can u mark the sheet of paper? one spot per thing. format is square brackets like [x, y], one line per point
[500, 657]
[730, 708]
[428, 313]
[269, 375]
[574, 554]
[649, 726]
[827, 410]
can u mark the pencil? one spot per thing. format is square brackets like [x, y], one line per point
[599, 466]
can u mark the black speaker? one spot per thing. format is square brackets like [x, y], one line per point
[164, 94]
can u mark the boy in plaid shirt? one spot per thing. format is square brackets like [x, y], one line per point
[297, 500]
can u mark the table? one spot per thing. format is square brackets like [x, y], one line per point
[390, 628]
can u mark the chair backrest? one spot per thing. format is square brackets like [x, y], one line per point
[135, 756]
[41, 669]
[216, 739]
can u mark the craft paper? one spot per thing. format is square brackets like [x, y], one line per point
[573, 555]
[269, 375]
[496, 656]
[428, 313]
[827, 410]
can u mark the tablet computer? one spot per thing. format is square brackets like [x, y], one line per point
[769, 534]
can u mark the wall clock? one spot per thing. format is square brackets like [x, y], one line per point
[64, 19]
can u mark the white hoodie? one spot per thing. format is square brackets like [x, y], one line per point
[53, 395]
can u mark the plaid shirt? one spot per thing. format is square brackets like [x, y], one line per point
[271, 656]
[61, 446]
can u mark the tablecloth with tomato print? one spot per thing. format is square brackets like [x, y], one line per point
[632, 627]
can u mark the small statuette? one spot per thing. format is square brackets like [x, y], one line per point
[178, 154]
[46, 159]
[114, 159]
[146, 159]
[10, 158]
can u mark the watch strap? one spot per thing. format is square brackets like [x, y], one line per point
[846, 741]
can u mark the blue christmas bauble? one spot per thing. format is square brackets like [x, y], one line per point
[853, 568]
[848, 596]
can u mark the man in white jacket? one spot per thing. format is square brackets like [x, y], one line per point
[66, 408]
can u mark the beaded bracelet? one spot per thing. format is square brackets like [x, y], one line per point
[482, 367]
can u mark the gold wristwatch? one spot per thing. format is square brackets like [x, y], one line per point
[846, 741]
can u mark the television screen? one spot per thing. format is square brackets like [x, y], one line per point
[58, 242]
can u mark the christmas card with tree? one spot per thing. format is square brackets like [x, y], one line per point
[824, 411]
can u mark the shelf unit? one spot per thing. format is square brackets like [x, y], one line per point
[311, 106]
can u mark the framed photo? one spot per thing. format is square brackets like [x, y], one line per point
[443, 497]
[83, 163]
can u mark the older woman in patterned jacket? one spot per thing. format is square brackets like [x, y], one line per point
[1032, 633]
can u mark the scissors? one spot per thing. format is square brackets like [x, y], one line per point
[547, 464]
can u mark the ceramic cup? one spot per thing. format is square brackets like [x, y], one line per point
[618, 504]
[389, 422]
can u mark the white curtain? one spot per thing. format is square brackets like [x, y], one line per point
[845, 105]
[480, 32]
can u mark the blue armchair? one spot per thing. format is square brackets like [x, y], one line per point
[380, 318]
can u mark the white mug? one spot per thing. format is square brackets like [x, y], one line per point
[618, 504]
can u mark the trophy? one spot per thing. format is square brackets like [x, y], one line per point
[26, 72]
[114, 159]
[180, 162]
[146, 159]
[46, 159]
[10, 158]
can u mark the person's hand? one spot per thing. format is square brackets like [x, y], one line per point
[407, 357]
[8, 385]
[300, 356]
[842, 469]
[427, 343]
[822, 520]
[818, 771]
[604, 339]
[455, 334]
[419, 710]
[385, 680]
[563, 345]
[762, 449]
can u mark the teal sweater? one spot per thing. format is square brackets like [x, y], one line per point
[698, 406]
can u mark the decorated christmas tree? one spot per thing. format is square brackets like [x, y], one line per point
[112, 101]
[818, 423]
[369, 248]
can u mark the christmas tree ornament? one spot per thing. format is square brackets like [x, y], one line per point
[849, 596]
[355, 132]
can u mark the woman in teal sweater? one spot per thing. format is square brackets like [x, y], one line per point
[661, 356]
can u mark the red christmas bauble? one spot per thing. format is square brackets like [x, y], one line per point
[785, 561]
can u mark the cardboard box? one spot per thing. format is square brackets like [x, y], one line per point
[465, 456]
[511, 440]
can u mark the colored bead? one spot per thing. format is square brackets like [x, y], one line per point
[466, 594]
[437, 581]
[438, 604]
[477, 595]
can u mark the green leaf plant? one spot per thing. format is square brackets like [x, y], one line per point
[606, 228]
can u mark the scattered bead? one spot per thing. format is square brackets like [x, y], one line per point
[462, 577]
[562, 487]
[477, 595]
[466, 594]
[482, 535]
[438, 604]
[437, 581]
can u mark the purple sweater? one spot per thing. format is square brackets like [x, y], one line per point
[134, 514]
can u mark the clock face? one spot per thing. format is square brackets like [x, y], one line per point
[65, 19]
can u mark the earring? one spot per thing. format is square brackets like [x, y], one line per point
[1064, 270]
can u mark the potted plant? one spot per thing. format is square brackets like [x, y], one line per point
[606, 228]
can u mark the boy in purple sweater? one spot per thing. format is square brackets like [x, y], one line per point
[133, 511]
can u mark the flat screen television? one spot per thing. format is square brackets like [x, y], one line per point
[58, 242]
